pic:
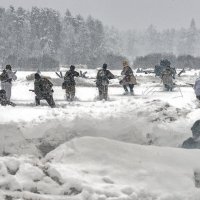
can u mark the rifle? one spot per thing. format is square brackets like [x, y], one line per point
[182, 71]
[32, 90]
[192, 85]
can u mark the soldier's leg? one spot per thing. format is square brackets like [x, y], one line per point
[125, 88]
[73, 91]
[37, 101]
[100, 92]
[166, 87]
[67, 93]
[50, 101]
[131, 86]
[106, 92]
[8, 90]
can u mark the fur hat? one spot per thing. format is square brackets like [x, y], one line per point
[125, 63]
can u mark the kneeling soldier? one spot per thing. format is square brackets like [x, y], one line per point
[43, 90]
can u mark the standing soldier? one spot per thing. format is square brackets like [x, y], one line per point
[128, 78]
[197, 88]
[167, 78]
[69, 83]
[43, 90]
[103, 76]
[6, 78]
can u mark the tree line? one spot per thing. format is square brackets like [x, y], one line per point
[43, 38]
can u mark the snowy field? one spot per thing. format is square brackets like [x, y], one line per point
[127, 148]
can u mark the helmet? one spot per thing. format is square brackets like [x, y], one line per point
[8, 67]
[72, 67]
[37, 76]
[105, 66]
[196, 129]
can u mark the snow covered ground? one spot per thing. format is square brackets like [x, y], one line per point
[126, 148]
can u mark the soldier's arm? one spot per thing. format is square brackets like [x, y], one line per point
[76, 74]
[12, 75]
[66, 75]
[50, 83]
[130, 71]
[98, 75]
[123, 72]
[110, 75]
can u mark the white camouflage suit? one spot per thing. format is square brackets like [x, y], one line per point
[7, 84]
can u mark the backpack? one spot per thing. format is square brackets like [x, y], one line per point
[4, 76]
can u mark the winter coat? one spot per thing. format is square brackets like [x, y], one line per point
[128, 78]
[167, 78]
[69, 78]
[103, 77]
[197, 87]
[43, 87]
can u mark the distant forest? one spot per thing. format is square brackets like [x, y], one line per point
[43, 38]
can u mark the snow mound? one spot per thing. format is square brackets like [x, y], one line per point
[13, 142]
[109, 169]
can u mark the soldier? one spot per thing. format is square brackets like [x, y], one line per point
[3, 99]
[128, 79]
[167, 78]
[6, 78]
[69, 83]
[194, 141]
[43, 90]
[197, 88]
[103, 77]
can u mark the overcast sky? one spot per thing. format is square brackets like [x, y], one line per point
[125, 14]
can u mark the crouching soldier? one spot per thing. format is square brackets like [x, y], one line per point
[129, 79]
[194, 141]
[6, 80]
[43, 90]
[167, 78]
[69, 83]
[103, 77]
[3, 99]
[197, 88]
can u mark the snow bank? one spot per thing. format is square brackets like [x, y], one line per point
[118, 170]
[102, 169]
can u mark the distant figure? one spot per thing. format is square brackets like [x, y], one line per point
[197, 88]
[194, 141]
[129, 79]
[167, 78]
[102, 82]
[3, 99]
[69, 83]
[6, 78]
[43, 90]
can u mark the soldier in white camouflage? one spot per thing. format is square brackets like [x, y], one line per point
[69, 83]
[43, 90]
[167, 77]
[6, 78]
[102, 82]
[129, 79]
